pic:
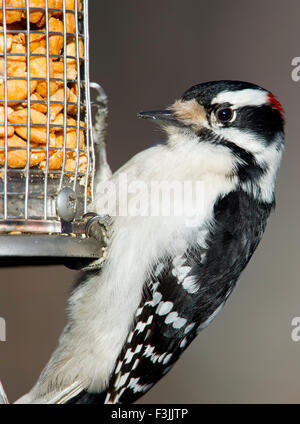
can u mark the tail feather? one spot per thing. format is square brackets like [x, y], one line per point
[3, 397]
[88, 398]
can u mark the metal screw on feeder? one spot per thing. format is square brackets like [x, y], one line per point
[47, 151]
[66, 204]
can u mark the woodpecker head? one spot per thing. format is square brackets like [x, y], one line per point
[237, 121]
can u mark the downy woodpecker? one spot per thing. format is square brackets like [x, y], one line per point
[164, 280]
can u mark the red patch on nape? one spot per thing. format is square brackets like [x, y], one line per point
[275, 104]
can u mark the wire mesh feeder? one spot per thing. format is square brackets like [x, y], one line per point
[47, 152]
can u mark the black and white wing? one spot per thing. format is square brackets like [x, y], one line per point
[167, 321]
[183, 296]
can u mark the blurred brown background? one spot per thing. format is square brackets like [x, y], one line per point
[145, 54]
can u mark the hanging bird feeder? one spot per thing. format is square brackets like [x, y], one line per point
[47, 148]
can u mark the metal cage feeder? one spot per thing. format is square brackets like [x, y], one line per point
[47, 148]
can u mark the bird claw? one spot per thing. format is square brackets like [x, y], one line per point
[98, 228]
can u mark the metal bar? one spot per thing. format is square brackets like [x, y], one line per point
[55, 246]
[90, 150]
[65, 96]
[48, 114]
[28, 112]
[5, 112]
[29, 226]
[43, 126]
[78, 96]
[53, 171]
[54, 56]
[37, 9]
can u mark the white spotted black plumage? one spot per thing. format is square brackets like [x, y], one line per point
[165, 278]
[170, 315]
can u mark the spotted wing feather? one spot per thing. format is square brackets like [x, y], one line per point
[183, 296]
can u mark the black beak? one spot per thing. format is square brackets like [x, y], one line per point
[159, 115]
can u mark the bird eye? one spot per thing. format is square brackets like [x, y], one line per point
[224, 114]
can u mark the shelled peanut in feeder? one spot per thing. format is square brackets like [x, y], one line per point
[51, 132]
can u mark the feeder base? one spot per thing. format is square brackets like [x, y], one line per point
[74, 252]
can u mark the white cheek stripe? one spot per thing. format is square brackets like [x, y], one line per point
[247, 97]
